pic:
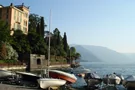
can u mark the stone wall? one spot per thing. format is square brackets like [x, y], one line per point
[37, 62]
[34, 61]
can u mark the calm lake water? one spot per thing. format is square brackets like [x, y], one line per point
[107, 68]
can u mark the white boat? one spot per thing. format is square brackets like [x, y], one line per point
[50, 82]
[111, 79]
[80, 70]
[70, 78]
[129, 81]
[5, 74]
[121, 77]
[47, 82]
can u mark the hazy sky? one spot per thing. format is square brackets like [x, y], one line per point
[108, 23]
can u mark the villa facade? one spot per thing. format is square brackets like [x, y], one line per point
[16, 16]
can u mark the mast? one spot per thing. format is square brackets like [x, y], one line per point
[48, 62]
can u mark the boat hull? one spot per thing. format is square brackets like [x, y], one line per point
[58, 74]
[29, 77]
[50, 82]
[111, 81]
[93, 82]
[80, 70]
[4, 73]
[128, 84]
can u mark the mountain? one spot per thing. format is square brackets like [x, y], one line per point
[103, 54]
[86, 55]
[130, 55]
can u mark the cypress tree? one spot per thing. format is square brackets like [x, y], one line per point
[65, 43]
[42, 26]
[58, 38]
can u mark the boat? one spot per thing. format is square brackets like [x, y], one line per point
[70, 78]
[129, 81]
[111, 79]
[48, 82]
[92, 79]
[121, 77]
[79, 70]
[29, 77]
[5, 74]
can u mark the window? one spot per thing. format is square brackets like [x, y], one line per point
[19, 26]
[24, 29]
[25, 23]
[20, 17]
[7, 16]
[14, 26]
[14, 17]
[38, 62]
[17, 13]
[7, 10]
[25, 15]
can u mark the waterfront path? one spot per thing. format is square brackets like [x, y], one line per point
[15, 87]
[24, 67]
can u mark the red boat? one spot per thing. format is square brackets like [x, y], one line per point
[70, 78]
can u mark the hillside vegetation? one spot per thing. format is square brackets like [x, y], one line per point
[35, 42]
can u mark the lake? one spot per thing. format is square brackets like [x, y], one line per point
[107, 68]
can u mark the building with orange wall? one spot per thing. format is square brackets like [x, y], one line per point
[16, 16]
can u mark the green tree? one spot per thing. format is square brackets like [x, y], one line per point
[57, 42]
[42, 27]
[66, 47]
[3, 51]
[38, 29]
[77, 55]
[20, 42]
[11, 53]
[4, 32]
[37, 43]
[72, 51]
[34, 20]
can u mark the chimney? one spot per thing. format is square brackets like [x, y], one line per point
[22, 4]
[11, 4]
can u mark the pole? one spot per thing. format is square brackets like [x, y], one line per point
[48, 63]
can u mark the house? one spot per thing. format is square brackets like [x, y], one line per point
[17, 17]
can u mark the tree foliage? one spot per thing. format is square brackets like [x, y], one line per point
[7, 52]
[66, 47]
[11, 53]
[42, 26]
[34, 20]
[36, 41]
[20, 42]
[3, 51]
[4, 32]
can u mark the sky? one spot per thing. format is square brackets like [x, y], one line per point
[107, 23]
